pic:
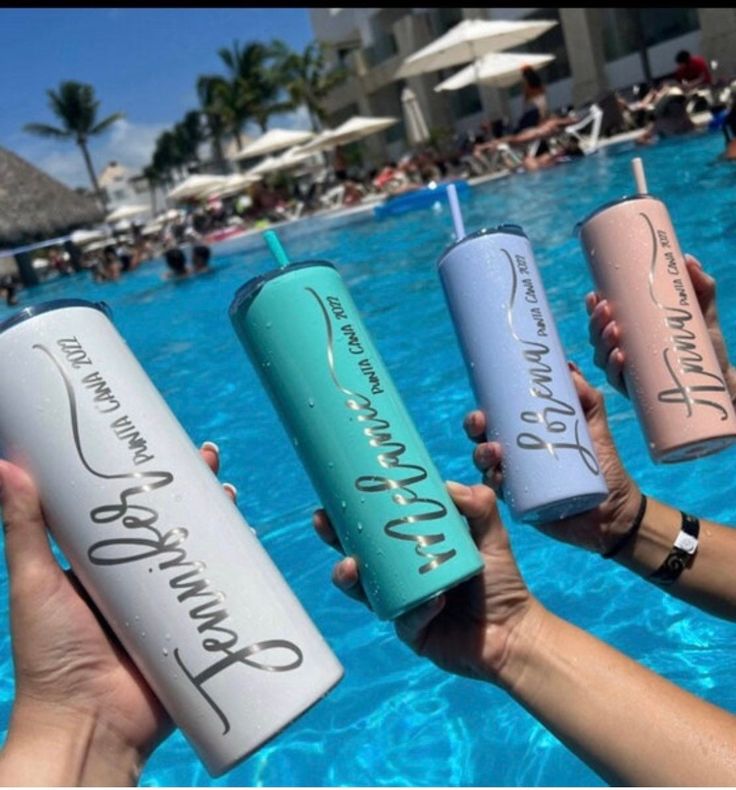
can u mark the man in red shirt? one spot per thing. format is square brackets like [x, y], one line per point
[692, 70]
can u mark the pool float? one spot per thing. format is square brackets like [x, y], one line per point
[225, 233]
[419, 198]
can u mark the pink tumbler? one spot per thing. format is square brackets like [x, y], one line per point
[671, 370]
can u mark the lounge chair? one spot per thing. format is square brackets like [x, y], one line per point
[588, 142]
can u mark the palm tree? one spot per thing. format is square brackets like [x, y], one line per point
[213, 120]
[308, 80]
[190, 135]
[227, 103]
[255, 80]
[75, 105]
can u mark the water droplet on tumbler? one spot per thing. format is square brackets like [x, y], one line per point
[165, 652]
[311, 403]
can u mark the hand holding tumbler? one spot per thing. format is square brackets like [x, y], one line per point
[671, 370]
[161, 549]
[519, 373]
[357, 442]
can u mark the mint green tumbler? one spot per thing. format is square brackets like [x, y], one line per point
[366, 461]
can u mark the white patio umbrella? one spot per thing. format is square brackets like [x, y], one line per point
[125, 212]
[271, 164]
[193, 185]
[273, 140]
[234, 184]
[470, 39]
[82, 237]
[356, 128]
[99, 245]
[501, 69]
[416, 127]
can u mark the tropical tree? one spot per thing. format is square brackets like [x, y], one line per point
[255, 80]
[227, 103]
[190, 134]
[214, 122]
[75, 105]
[308, 79]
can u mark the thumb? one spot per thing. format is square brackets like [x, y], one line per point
[478, 504]
[591, 399]
[27, 546]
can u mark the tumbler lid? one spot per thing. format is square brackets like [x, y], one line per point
[507, 228]
[610, 204]
[245, 295]
[55, 304]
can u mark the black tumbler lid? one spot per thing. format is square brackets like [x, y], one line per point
[245, 295]
[45, 307]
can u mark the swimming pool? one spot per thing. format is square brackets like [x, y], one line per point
[395, 719]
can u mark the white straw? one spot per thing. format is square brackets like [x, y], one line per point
[641, 180]
[457, 217]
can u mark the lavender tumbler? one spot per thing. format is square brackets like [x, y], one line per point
[520, 376]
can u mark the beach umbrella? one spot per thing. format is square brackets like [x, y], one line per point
[194, 185]
[232, 186]
[416, 127]
[99, 245]
[82, 237]
[356, 128]
[501, 69]
[272, 164]
[470, 39]
[125, 212]
[272, 141]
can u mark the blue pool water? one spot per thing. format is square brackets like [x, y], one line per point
[395, 719]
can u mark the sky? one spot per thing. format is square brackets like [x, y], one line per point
[142, 62]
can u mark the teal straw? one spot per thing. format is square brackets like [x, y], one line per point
[277, 250]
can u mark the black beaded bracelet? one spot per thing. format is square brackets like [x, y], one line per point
[681, 554]
[629, 534]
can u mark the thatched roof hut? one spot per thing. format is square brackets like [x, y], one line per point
[34, 206]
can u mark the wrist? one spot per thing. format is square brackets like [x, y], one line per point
[51, 744]
[520, 642]
[620, 515]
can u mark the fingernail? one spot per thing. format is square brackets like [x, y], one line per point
[458, 489]
[231, 488]
[211, 446]
[695, 261]
[574, 367]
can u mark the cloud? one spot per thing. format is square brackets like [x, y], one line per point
[128, 143]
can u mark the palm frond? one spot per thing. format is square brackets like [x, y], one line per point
[44, 130]
[107, 122]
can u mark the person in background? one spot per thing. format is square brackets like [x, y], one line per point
[9, 285]
[177, 264]
[692, 71]
[729, 131]
[536, 108]
[201, 259]
[108, 269]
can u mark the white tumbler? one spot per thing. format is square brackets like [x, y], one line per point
[147, 528]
